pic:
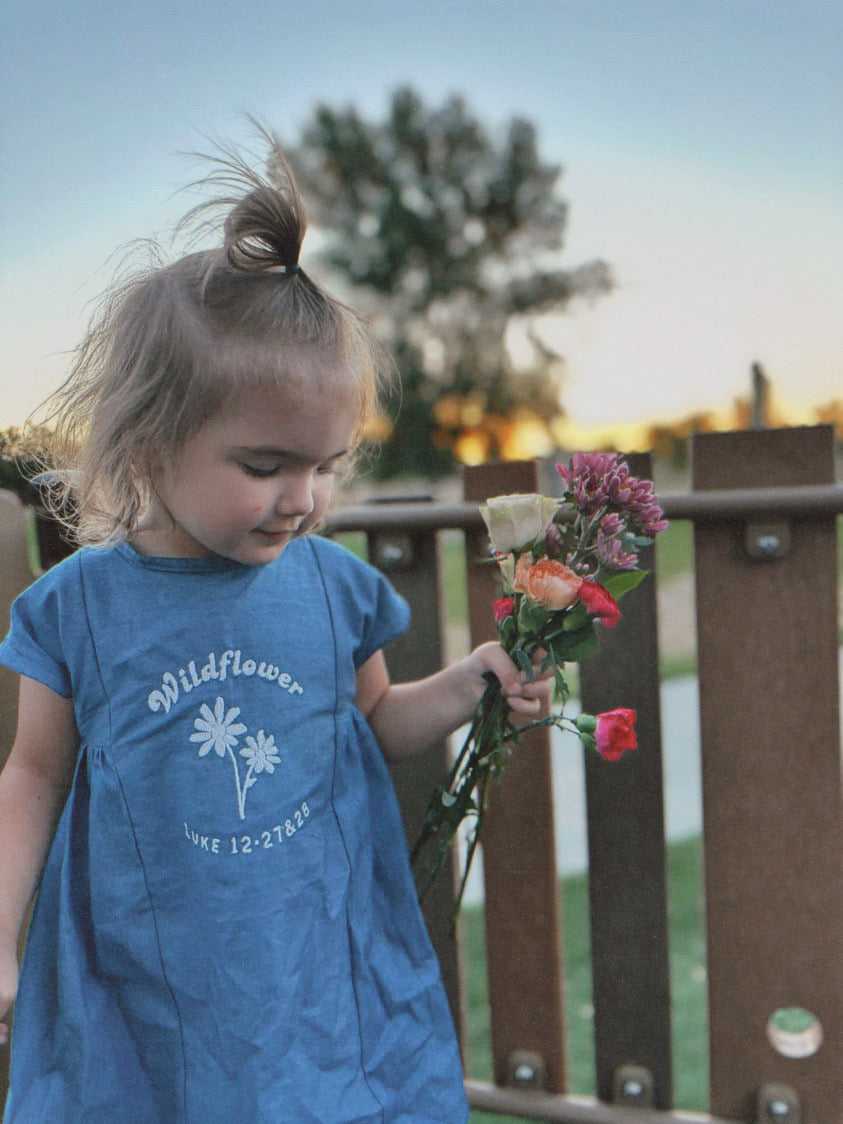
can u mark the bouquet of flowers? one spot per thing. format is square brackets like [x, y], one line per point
[564, 564]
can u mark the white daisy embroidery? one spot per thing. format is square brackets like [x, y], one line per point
[261, 753]
[219, 730]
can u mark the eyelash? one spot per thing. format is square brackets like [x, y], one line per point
[263, 473]
[260, 473]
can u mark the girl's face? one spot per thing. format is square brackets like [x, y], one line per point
[258, 474]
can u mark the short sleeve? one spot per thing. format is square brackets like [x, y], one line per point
[362, 600]
[36, 643]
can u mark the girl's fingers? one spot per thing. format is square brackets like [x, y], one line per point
[529, 696]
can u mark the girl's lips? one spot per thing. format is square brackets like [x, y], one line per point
[282, 533]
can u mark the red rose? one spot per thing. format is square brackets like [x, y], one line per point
[615, 733]
[502, 608]
[599, 602]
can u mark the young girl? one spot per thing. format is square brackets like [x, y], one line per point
[226, 927]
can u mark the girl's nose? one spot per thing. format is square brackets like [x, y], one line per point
[296, 498]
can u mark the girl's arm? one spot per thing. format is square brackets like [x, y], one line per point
[408, 717]
[33, 787]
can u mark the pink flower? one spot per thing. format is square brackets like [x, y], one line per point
[502, 608]
[600, 603]
[547, 583]
[615, 733]
[597, 480]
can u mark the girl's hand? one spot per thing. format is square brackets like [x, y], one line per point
[8, 990]
[525, 695]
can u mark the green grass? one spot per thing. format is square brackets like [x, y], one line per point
[687, 983]
[675, 550]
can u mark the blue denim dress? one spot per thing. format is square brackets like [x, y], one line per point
[226, 928]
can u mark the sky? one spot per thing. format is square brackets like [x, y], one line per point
[700, 140]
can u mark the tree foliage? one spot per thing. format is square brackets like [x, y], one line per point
[448, 236]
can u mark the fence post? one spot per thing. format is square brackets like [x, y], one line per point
[627, 881]
[523, 908]
[770, 727]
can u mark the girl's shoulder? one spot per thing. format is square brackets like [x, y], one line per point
[339, 564]
[330, 553]
[361, 597]
[48, 629]
[71, 570]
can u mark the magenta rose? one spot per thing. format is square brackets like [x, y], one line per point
[615, 733]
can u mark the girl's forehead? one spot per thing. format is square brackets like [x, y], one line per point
[298, 375]
[281, 418]
[273, 401]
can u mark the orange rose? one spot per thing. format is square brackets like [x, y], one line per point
[548, 583]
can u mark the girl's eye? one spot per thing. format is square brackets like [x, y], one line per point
[253, 470]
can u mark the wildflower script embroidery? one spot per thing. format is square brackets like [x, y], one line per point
[229, 664]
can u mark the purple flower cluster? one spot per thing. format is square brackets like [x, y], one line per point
[602, 480]
[608, 544]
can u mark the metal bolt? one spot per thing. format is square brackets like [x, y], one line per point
[633, 1089]
[526, 1070]
[392, 554]
[779, 1103]
[768, 545]
[767, 541]
[394, 551]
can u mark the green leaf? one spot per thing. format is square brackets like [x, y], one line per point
[571, 647]
[561, 691]
[576, 618]
[623, 581]
[531, 618]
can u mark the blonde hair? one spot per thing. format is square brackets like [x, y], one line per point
[171, 343]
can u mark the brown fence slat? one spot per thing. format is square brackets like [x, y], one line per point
[770, 724]
[15, 576]
[627, 884]
[410, 559]
[523, 910]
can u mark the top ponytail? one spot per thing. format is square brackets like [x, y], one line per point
[261, 234]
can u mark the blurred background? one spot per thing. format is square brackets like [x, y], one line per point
[575, 224]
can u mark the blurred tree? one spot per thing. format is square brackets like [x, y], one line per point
[450, 239]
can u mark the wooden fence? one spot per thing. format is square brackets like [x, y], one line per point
[764, 506]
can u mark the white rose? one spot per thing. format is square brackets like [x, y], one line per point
[514, 522]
